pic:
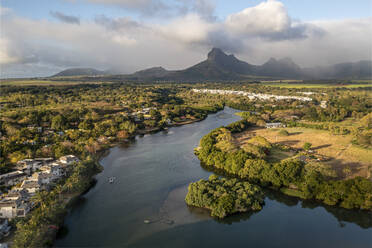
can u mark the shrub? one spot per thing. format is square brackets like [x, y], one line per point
[307, 146]
[283, 132]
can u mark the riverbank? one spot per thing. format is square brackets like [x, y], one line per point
[39, 228]
[49, 235]
[150, 174]
[289, 176]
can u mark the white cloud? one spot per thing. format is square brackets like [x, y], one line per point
[254, 34]
[5, 57]
[188, 29]
[267, 17]
[123, 40]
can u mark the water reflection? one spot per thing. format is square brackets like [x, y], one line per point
[360, 217]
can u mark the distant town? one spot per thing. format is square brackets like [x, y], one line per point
[252, 96]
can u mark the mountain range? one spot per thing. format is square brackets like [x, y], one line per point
[220, 66]
[79, 72]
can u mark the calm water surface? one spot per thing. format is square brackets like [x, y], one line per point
[152, 175]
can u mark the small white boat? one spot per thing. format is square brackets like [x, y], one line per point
[111, 179]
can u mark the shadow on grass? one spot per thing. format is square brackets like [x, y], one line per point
[294, 133]
[320, 147]
[289, 142]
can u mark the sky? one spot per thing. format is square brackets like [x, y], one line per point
[42, 37]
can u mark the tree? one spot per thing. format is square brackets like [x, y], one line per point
[129, 126]
[16, 156]
[254, 150]
[155, 114]
[92, 146]
[307, 146]
[260, 141]
[283, 132]
[59, 122]
[86, 124]
[123, 134]
[261, 123]
[41, 198]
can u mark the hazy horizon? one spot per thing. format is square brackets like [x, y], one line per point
[40, 38]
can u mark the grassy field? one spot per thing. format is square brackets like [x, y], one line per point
[356, 161]
[348, 122]
[277, 155]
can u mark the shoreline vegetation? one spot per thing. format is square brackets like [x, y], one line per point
[40, 228]
[289, 176]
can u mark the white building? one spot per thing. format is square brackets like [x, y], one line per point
[31, 186]
[68, 159]
[12, 178]
[42, 178]
[323, 104]
[10, 209]
[15, 204]
[29, 164]
[274, 125]
[55, 170]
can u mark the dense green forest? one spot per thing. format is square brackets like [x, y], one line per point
[224, 196]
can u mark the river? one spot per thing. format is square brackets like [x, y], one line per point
[151, 178]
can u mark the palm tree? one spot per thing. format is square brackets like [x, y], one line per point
[69, 184]
[58, 189]
[41, 198]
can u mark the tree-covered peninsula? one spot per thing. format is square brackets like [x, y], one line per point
[292, 176]
[225, 196]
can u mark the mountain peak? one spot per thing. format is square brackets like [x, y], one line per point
[284, 67]
[83, 71]
[152, 72]
[287, 60]
[216, 53]
[271, 60]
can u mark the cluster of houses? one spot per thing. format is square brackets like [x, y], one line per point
[253, 96]
[31, 176]
[145, 112]
[44, 131]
